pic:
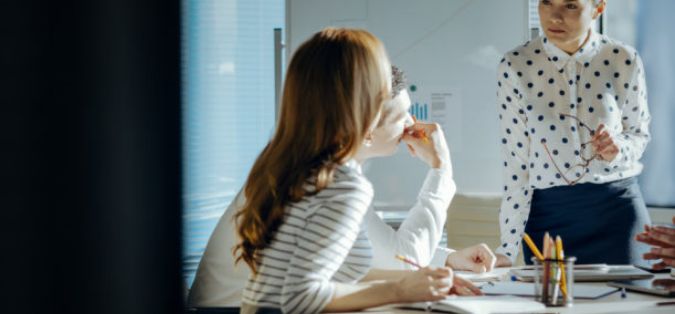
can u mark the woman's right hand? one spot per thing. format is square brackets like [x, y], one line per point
[425, 284]
[503, 261]
[427, 141]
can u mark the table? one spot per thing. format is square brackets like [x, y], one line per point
[634, 302]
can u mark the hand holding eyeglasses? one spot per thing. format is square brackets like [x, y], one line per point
[604, 144]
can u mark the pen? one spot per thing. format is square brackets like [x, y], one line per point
[532, 246]
[408, 261]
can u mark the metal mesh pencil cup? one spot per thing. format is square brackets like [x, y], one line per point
[554, 281]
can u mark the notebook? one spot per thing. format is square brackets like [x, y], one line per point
[495, 274]
[592, 272]
[526, 289]
[480, 305]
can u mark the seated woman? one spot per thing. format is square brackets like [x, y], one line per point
[300, 222]
[219, 281]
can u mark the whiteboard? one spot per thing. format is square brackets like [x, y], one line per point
[446, 47]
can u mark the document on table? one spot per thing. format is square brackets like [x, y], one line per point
[481, 305]
[495, 274]
[526, 289]
[595, 272]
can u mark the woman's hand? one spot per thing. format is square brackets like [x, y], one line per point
[663, 241]
[426, 141]
[604, 145]
[464, 287]
[503, 261]
[478, 258]
[425, 284]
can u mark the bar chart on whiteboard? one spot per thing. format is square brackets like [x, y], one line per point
[419, 111]
[442, 105]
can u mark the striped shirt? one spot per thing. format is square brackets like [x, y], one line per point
[320, 242]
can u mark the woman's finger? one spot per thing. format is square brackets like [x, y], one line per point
[601, 142]
[606, 141]
[659, 266]
[669, 261]
[663, 252]
[441, 272]
[653, 242]
[650, 256]
[607, 150]
[665, 230]
[468, 285]
[646, 238]
[600, 128]
[441, 283]
[667, 239]
[411, 149]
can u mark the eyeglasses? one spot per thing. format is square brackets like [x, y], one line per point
[586, 162]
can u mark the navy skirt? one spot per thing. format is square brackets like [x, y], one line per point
[597, 222]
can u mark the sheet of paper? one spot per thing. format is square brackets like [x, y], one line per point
[581, 291]
[495, 274]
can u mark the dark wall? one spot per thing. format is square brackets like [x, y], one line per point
[90, 208]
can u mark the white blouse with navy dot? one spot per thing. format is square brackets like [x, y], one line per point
[539, 88]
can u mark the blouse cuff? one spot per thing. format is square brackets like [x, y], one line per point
[439, 182]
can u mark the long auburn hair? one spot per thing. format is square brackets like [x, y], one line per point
[335, 87]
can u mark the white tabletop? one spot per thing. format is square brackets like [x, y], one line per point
[634, 302]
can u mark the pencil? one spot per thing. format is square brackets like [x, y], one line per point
[532, 247]
[556, 275]
[420, 133]
[546, 269]
[561, 258]
[408, 261]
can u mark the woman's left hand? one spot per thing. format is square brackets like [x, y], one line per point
[478, 258]
[464, 287]
[604, 145]
[663, 241]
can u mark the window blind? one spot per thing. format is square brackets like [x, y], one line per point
[228, 106]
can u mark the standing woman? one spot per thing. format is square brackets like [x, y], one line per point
[300, 228]
[574, 124]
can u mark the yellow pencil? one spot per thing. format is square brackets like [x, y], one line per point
[561, 257]
[406, 260]
[420, 133]
[532, 247]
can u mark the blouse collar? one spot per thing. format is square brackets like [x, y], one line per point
[582, 56]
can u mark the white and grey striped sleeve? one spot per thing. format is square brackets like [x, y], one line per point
[324, 244]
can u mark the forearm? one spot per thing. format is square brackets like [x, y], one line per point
[354, 297]
[384, 274]
[423, 228]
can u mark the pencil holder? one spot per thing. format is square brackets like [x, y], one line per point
[554, 281]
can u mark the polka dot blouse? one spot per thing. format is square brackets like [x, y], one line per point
[549, 105]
